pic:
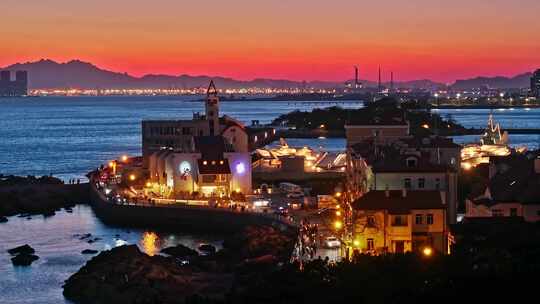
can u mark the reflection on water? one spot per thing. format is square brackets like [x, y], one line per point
[150, 243]
[58, 243]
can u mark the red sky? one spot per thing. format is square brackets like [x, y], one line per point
[293, 39]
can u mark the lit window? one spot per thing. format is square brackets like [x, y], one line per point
[429, 219]
[370, 245]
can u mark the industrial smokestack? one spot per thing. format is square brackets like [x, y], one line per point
[380, 86]
[391, 81]
[355, 77]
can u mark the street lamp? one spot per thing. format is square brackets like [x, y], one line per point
[338, 225]
[427, 251]
[124, 158]
[132, 177]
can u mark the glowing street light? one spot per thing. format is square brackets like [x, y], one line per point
[124, 158]
[427, 251]
[356, 243]
[132, 177]
[338, 225]
[338, 213]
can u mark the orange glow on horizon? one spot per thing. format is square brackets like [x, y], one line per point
[298, 40]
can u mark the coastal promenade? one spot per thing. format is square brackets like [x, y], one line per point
[181, 214]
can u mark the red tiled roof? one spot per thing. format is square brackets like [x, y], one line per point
[397, 203]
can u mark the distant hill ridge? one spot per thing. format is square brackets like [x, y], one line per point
[50, 74]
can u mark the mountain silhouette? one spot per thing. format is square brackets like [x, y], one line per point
[49, 74]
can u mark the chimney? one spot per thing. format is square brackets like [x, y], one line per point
[404, 192]
[443, 197]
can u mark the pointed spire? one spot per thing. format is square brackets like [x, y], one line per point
[211, 89]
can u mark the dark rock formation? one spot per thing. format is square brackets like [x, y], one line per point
[85, 236]
[24, 259]
[24, 249]
[89, 251]
[3, 219]
[180, 251]
[38, 195]
[258, 241]
[126, 275]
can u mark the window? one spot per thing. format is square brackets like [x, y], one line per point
[513, 211]
[497, 212]
[437, 183]
[370, 245]
[407, 183]
[209, 178]
[399, 220]
[418, 219]
[371, 221]
[411, 162]
[376, 133]
[429, 219]
[421, 183]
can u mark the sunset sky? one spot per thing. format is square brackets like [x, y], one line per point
[293, 39]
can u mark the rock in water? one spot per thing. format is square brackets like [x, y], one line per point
[24, 259]
[3, 219]
[126, 275]
[89, 251]
[24, 249]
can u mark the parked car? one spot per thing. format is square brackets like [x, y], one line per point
[282, 211]
[332, 242]
[295, 194]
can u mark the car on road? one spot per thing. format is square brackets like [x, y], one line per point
[332, 242]
[281, 211]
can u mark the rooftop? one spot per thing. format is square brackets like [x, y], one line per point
[399, 201]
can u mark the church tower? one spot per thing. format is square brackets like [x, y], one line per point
[212, 109]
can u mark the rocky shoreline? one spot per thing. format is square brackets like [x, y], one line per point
[126, 275]
[38, 195]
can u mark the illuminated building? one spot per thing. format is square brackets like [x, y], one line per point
[284, 158]
[401, 221]
[179, 135]
[535, 84]
[212, 169]
[492, 143]
[420, 164]
[17, 87]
